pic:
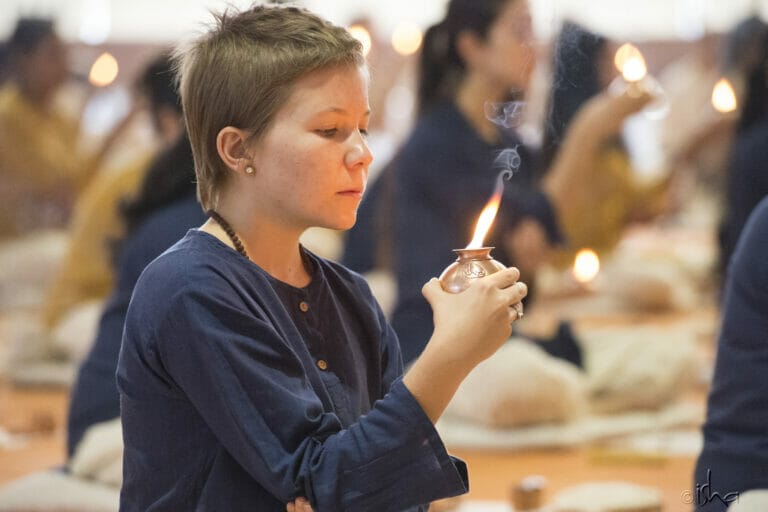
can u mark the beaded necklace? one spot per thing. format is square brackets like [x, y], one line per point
[229, 231]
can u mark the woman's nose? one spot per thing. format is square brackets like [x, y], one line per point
[358, 154]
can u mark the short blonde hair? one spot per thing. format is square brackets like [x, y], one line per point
[241, 72]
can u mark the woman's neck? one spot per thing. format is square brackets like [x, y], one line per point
[471, 97]
[268, 244]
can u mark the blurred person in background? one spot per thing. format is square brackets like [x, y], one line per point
[735, 456]
[162, 212]
[475, 67]
[747, 179]
[41, 163]
[477, 58]
[86, 273]
[600, 195]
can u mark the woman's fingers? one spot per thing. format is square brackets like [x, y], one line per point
[302, 505]
[299, 505]
[504, 278]
[431, 290]
[515, 293]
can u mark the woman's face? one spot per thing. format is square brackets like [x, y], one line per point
[312, 163]
[46, 68]
[508, 56]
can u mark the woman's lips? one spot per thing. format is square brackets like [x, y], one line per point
[351, 193]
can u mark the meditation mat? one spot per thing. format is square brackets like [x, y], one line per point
[457, 433]
[56, 491]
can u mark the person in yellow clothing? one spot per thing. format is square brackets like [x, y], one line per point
[86, 272]
[41, 164]
[597, 198]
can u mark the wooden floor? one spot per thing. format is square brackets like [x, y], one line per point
[493, 474]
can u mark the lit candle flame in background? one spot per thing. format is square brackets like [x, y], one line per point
[104, 70]
[488, 215]
[406, 39]
[586, 266]
[724, 97]
[361, 33]
[630, 62]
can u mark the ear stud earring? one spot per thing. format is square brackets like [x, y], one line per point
[249, 170]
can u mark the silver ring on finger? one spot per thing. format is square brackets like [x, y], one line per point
[519, 310]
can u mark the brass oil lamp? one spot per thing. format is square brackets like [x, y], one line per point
[475, 261]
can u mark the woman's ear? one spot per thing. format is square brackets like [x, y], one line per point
[468, 47]
[231, 144]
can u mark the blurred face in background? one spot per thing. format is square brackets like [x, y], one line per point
[507, 54]
[44, 69]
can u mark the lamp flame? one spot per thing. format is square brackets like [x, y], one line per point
[630, 62]
[724, 97]
[104, 70]
[586, 266]
[484, 222]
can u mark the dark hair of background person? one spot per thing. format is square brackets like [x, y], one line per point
[440, 67]
[575, 79]
[171, 174]
[738, 51]
[170, 177]
[5, 63]
[28, 34]
[755, 107]
[158, 84]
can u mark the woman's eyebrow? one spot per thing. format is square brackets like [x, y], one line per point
[339, 110]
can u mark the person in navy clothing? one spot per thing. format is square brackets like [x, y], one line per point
[158, 217]
[474, 62]
[734, 458]
[254, 375]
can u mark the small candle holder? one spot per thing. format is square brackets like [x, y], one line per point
[528, 494]
[471, 264]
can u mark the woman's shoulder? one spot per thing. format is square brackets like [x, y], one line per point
[193, 262]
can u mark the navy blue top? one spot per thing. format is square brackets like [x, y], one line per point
[241, 392]
[443, 177]
[735, 453]
[94, 395]
[747, 185]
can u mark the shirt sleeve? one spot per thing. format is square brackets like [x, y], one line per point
[251, 388]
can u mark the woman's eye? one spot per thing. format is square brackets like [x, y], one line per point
[328, 132]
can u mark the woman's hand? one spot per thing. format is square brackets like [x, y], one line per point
[604, 114]
[470, 326]
[299, 505]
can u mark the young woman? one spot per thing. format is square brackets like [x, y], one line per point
[253, 374]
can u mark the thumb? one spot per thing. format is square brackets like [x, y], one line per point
[431, 290]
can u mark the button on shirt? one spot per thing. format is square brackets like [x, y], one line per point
[225, 405]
